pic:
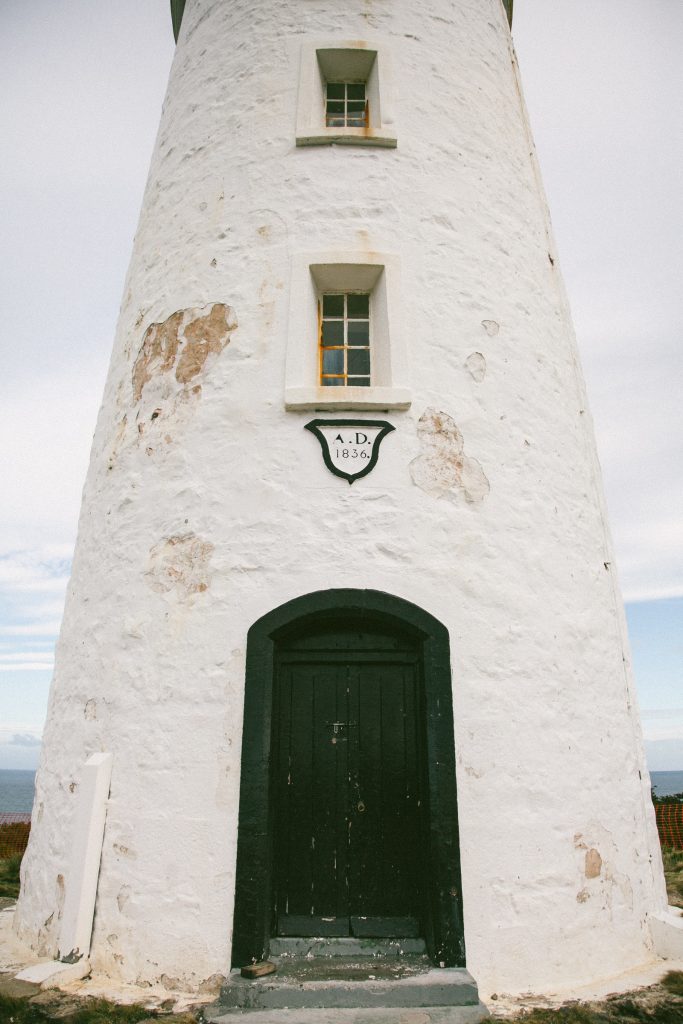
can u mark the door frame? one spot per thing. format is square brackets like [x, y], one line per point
[443, 910]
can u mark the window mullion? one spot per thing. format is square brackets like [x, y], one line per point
[346, 320]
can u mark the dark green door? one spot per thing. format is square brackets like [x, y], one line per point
[346, 786]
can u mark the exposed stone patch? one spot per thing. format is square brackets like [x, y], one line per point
[184, 341]
[167, 374]
[491, 327]
[593, 863]
[181, 564]
[443, 469]
[212, 984]
[476, 365]
[123, 897]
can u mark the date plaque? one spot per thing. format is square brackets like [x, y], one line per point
[350, 447]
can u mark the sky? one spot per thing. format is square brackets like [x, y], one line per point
[81, 87]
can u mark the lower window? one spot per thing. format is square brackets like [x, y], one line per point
[345, 340]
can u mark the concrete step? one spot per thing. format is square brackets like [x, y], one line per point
[393, 1015]
[349, 947]
[349, 983]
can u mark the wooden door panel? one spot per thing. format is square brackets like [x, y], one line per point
[347, 815]
[328, 793]
[311, 834]
[385, 848]
[293, 854]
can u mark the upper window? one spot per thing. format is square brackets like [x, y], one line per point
[346, 105]
[345, 95]
[345, 340]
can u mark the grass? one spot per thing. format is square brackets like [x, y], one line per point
[9, 876]
[13, 838]
[673, 872]
[662, 1004]
[93, 1011]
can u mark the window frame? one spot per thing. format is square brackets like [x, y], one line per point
[348, 62]
[347, 121]
[374, 273]
[346, 347]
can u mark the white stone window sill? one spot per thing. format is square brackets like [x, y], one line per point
[348, 137]
[347, 398]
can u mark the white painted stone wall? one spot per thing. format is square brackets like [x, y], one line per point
[207, 505]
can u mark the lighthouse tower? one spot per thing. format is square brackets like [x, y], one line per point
[343, 664]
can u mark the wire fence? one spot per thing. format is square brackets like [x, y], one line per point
[14, 830]
[670, 824]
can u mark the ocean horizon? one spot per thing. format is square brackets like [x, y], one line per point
[17, 785]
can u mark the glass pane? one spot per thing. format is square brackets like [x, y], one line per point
[333, 305]
[358, 332]
[355, 121]
[358, 382]
[359, 306]
[356, 106]
[356, 91]
[333, 360]
[335, 121]
[335, 107]
[333, 382]
[333, 332]
[359, 360]
[335, 90]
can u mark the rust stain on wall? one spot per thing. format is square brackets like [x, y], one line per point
[442, 469]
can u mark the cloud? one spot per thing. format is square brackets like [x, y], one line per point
[32, 629]
[610, 152]
[664, 755]
[19, 747]
[22, 656]
[25, 739]
[28, 666]
[663, 725]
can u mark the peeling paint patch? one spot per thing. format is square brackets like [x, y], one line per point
[593, 863]
[184, 342]
[124, 851]
[123, 897]
[443, 469]
[90, 710]
[181, 564]
[212, 984]
[491, 327]
[476, 365]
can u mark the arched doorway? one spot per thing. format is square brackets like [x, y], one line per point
[348, 804]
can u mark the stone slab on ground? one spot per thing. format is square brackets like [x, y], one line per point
[53, 973]
[15, 989]
[384, 1015]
